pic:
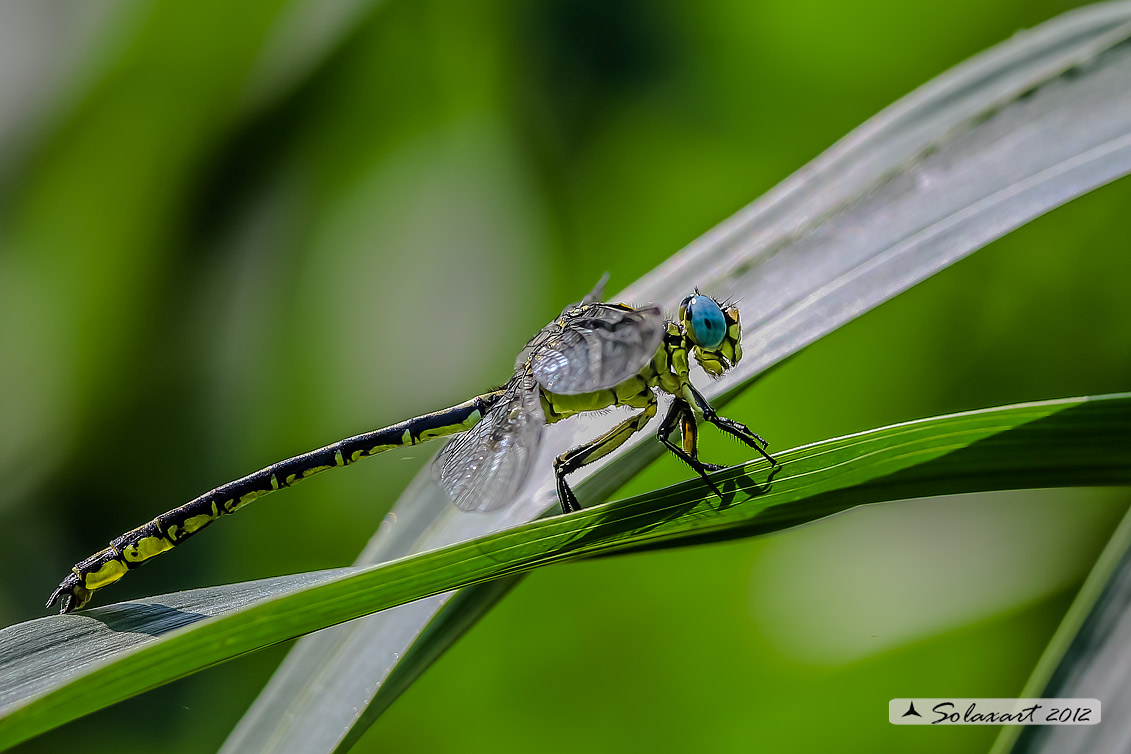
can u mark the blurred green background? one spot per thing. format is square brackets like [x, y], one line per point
[234, 232]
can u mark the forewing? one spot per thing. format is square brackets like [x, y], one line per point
[535, 343]
[598, 349]
[555, 327]
[484, 468]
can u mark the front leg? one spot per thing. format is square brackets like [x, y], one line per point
[680, 414]
[732, 427]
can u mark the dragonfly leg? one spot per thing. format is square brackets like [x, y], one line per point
[680, 415]
[733, 428]
[574, 459]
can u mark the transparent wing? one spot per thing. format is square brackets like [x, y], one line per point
[555, 327]
[484, 468]
[597, 349]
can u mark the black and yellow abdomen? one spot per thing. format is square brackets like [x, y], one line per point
[173, 527]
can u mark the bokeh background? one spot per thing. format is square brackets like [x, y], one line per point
[234, 232]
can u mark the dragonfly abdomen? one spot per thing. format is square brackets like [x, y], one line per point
[173, 527]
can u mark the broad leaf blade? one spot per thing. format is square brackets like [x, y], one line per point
[999, 140]
[58, 668]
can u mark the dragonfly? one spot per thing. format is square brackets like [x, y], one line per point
[593, 356]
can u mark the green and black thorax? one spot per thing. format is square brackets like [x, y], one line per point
[669, 370]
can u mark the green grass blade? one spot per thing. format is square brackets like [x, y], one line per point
[1086, 658]
[58, 668]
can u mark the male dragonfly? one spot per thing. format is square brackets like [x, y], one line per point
[593, 356]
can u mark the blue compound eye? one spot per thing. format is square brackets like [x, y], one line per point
[708, 325]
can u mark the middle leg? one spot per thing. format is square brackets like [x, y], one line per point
[574, 459]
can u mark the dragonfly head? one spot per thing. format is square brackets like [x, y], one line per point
[714, 332]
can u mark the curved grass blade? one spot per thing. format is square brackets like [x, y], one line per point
[57, 668]
[1086, 658]
[984, 148]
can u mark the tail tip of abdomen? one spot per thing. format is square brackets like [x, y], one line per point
[70, 594]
